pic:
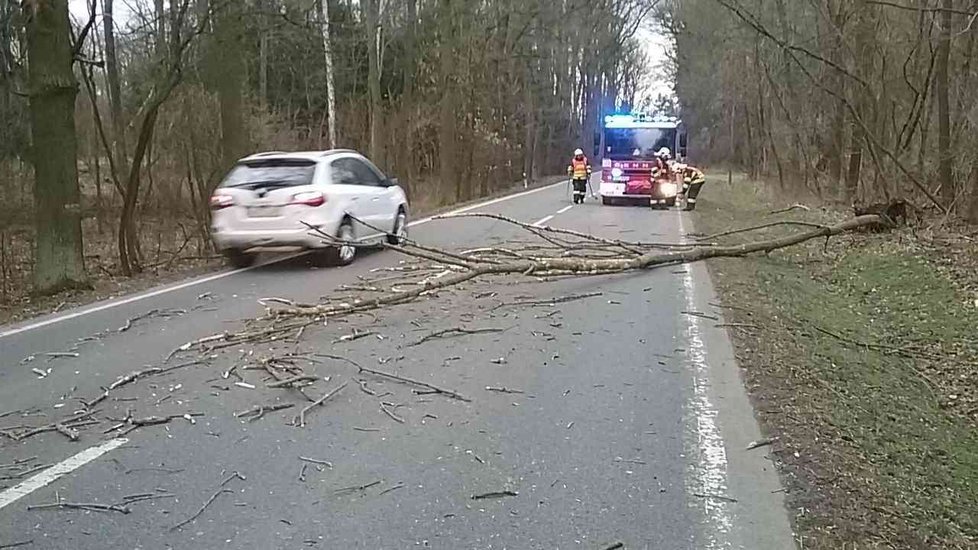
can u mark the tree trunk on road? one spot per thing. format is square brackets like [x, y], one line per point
[59, 262]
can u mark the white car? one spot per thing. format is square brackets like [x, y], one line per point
[276, 200]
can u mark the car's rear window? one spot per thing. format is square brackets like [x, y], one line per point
[271, 172]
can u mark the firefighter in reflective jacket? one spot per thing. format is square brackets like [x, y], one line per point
[693, 180]
[579, 170]
[663, 167]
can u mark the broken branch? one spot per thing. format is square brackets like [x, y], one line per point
[432, 387]
[300, 420]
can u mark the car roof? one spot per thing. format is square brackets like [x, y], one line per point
[305, 155]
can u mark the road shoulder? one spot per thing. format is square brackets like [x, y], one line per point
[855, 354]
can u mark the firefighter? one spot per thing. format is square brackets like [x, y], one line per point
[663, 166]
[579, 170]
[693, 180]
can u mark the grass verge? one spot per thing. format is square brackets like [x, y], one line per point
[860, 355]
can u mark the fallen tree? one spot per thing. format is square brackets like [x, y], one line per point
[564, 253]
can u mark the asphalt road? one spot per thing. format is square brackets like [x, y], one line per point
[626, 420]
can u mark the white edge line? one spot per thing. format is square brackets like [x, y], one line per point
[565, 209]
[216, 276]
[66, 466]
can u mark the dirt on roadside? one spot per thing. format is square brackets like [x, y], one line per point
[861, 357]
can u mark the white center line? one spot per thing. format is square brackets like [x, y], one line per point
[565, 209]
[67, 466]
[542, 221]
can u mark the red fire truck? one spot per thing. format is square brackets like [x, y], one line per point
[627, 151]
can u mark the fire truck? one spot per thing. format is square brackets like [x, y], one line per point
[628, 144]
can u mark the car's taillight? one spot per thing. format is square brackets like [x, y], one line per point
[309, 198]
[219, 201]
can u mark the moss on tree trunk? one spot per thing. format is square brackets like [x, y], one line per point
[59, 262]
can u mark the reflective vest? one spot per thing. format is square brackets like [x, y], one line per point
[693, 175]
[579, 168]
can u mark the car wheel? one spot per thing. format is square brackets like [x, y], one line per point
[239, 258]
[343, 254]
[399, 235]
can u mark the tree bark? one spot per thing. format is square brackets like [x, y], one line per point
[945, 159]
[59, 262]
[372, 20]
[114, 87]
[447, 120]
[863, 62]
[230, 82]
[330, 78]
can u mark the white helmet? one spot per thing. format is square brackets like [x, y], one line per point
[664, 153]
[578, 152]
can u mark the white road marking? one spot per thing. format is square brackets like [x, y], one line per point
[67, 466]
[194, 282]
[487, 203]
[542, 221]
[709, 469]
[565, 209]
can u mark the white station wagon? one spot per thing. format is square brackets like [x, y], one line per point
[266, 201]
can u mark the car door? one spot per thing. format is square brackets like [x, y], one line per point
[373, 199]
[347, 193]
[391, 198]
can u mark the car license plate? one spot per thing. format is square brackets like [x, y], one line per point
[263, 211]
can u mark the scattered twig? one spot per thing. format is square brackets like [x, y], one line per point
[355, 335]
[337, 358]
[300, 420]
[59, 354]
[495, 494]
[700, 314]
[91, 506]
[390, 413]
[405, 380]
[457, 331]
[718, 497]
[326, 463]
[760, 443]
[389, 489]
[365, 389]
[202, 508]
[134, 376]
[503, 390]
[16, 544]
[736, 325]
[293, 380]
[357, 488]
[796, 206]
[615, 546]
[552, 302]
[259, 410]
